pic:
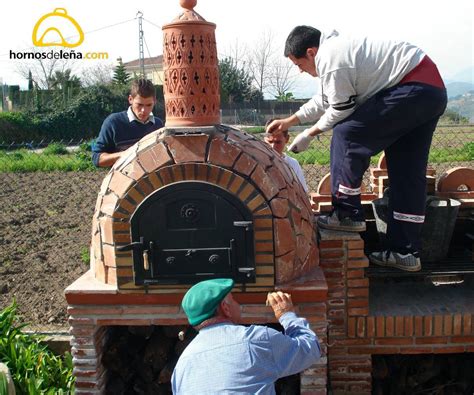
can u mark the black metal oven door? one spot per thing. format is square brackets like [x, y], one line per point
[190, 231]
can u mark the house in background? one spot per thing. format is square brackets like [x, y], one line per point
[153, 69]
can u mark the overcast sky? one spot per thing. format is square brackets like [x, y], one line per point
[444, 29]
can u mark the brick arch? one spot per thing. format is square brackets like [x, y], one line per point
[240, 164]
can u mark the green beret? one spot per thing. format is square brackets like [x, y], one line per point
[201, 300]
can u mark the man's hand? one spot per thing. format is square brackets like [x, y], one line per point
[277, 126]
[280, 303]
[301, 142]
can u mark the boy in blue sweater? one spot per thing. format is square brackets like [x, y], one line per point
[123, 129]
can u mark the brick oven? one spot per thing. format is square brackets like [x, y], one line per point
[191, 201]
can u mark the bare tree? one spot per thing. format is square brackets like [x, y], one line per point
[259, 61]
[42, 70]
[100, 74]
[237, 52]
[282, 79]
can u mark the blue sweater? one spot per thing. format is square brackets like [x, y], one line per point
[118, 133]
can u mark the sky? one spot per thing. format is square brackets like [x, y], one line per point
[443, 29]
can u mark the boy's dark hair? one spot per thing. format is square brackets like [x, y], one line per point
[143, 88]
[300, 39]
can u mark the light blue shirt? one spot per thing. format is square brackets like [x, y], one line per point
[226, 358]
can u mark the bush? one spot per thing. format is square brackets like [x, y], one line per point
[55, 149]
[34, 368]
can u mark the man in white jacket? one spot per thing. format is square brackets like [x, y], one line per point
[375, 95]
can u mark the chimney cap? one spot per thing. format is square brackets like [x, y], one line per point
[188, 4]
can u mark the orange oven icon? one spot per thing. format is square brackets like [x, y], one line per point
[47, 34]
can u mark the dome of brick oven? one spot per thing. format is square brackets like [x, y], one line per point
[229, 159]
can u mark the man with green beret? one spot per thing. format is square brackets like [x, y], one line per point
[229, 358]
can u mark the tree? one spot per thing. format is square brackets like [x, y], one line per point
[236, 83]
[100, 74]
[30, 81]
[42, 70]
[121, 77]
[260, 61]
[64, 80]
[282, 80]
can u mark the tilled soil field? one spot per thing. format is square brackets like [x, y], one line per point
[45, 225]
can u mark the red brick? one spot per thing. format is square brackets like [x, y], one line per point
[380, 323]
[438, 325]
[457, 324]
[334, 274]
[330, 254]
[154, 157]
[428, 326]
[371, 326]
[351, 342]
[393, 341]
[467, 322]
[122, 321]
[462, 339]
[431, 340]
[358, 303]
[358, 311]
[245, 164]
[399, 326]
[120, 183]
[355, 244]
[357, 263]
[418, 326]
[332, 264]
[448, 325]
[360, 326]
[323, 244]
[284, 237]
[389, 326]
[449, 349]
[355, 273]
[358, 292]
[416, 350]
[358, 283]
[222, 153]
[373, 350]
[355, 254]
[408, 326]
[191, 148]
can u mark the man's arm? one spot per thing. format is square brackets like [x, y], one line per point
[104, 148]
[298, 348]
[106, 159]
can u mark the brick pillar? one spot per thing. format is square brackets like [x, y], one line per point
[85, 349]
[342, 260]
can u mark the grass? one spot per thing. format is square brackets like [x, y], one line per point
[450, 144]
[55, 157]
[85, 256]
[33, 367]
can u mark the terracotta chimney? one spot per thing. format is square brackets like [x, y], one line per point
[191, 86]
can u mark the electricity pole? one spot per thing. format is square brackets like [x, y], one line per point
[141, 54]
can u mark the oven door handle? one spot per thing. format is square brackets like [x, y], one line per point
[135, 246]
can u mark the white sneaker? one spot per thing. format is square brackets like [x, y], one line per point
[407, 262]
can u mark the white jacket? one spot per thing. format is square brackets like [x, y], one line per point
[353, 70]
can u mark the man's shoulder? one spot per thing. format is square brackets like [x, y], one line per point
[117, 117]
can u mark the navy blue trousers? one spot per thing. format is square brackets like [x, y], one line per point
[400, 120]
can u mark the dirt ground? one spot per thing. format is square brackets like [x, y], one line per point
[45, 227]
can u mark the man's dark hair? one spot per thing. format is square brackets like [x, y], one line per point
[300, 39]
[143, 88]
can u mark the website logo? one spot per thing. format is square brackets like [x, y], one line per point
[57, 29]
